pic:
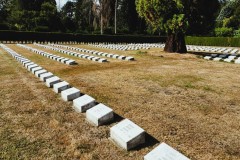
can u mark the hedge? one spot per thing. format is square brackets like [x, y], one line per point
[62, 37]
[213, 41]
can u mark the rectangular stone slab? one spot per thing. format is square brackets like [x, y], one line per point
[61, 86]
[28, 64]
[45, 76]
[70, 94]
[51, 81]
[70, 62]
[99, 115]
[165, 152]
[36, 69]
[83, 103]
[32, 66]
[129, 59]
[38, 73]
[127, 134]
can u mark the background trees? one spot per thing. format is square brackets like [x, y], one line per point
[205, 17]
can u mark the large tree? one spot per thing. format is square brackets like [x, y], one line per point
[201, 15]
[169, 16]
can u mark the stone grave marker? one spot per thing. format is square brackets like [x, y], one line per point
[99, 115]
[83, 103]
[61, 86]
[70, 94]
[38, 73]
[45, 76]
[51, 81]
[127, 134]
[165, 152]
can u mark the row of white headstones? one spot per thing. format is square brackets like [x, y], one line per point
[227, 58]
[191, 48]
[125, 134]
[49, 55]
[71, 53]
[104, 54]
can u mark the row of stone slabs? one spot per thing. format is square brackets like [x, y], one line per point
[126, 134]
[191, 48]
[212, 49]
[235, 58]
[130, 46]
[49, 55]
[71, 53]
[109, 55]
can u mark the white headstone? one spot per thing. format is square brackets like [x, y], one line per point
[36, 69]
[45, 76]
[70, 94]
[165, 152]
[83, 103]
[32, 66]
[51, 81]
[38, 73]
[100, 114]
[127, 134]
[59, 87]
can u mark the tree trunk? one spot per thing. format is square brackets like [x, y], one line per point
[175, 43]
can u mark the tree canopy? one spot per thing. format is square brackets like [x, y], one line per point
[193, 17]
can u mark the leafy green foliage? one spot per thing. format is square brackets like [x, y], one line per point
[163, 15]
[213, 41]
[223, 32]
[237, 33]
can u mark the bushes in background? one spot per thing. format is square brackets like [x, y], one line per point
[213, 41]
[224, 32]
[62, 37]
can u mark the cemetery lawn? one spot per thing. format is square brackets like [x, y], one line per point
[187, 102]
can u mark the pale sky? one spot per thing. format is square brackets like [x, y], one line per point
[62, 2]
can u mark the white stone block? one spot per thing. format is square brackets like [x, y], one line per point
[38, 73]
[121, 57]
[36, 69]
[32, 66]
[61, 86]
[45, 76]
[115, 56]
[51, 81]
[83, 103]
[28, 64]
[70, 62]
[228, 60]
[100, 114]
[70, 94]
[207, 57]
[165, 152]
[129, 58]
[237, 61]
[231, 57]
[127, 134]
[217, 59]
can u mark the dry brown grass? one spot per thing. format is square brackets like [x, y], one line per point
[189, 103]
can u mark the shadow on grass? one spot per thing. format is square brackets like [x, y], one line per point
[149, 142]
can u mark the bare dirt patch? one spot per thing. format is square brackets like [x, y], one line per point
[190, 103]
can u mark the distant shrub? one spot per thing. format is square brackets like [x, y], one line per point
[213, 41]
[42, 29]
[223, 32]
[108, 30]
[237, 33]
[4, 26]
